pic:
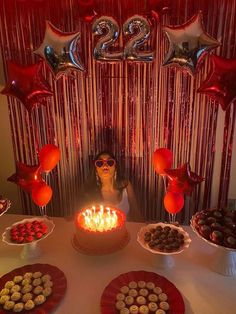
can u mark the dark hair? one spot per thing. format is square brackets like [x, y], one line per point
[92, 188]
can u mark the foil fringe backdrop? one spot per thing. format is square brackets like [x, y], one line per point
[130, 108]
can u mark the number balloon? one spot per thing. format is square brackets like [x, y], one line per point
[162, 159]
[41, 194]
[139, 27]
[49, 155]
[110, 26]
[173, 202]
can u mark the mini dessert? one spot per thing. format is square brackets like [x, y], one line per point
[134, 309]
[38, 290]
[9, 284]
[28, 232]
[9, 305]
[141, 284]
[164, 306]
[153, 297]
[129, 300]
[4, 291]
[217, 226]
[47, 291]
[15, 296]
[141, 300]
[28, 275]
[4, 299]
[18, 307]
[150, 285]
[39, 299]
[143, 309]
[17, 279]
[29, 305]
[26, 297]
[124, 311]
[26, 288]
[47, 284]
[120, 297]
[133, 285]
[102, 234]
[152, 306]
[120, 305]
[37, 274]
[157, 290]
[143, 292]
[26, 282]
[164, 239]
[162, 297]
[160, 311]
[133, 293]
[124, 289]
[36, 282]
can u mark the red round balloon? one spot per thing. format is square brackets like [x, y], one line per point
[49, 155]
[173, 202]
[41, 194]
[162, 159]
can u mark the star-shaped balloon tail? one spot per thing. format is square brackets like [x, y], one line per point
[27, 177]
[182, 179]
[27, 84]
[60, 50]
[220, 83]
[189, 43]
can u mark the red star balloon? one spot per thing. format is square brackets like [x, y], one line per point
[182, 179]
[59, 50]
[221, 81]
[27, 84]
[27, 177]
[189, 43]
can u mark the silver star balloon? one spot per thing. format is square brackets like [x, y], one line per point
[189, 43]
[59, 50]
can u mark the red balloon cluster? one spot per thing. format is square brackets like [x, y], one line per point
[29, 178]
[181, 180]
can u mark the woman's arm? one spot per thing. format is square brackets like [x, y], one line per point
[134, 214]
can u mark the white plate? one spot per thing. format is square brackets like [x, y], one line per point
[6, 236]
[7, 206]
[147, 228]
[208, 241]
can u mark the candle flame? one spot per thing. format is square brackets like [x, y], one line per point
[100, 219]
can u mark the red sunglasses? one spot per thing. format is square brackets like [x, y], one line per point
[101, 162]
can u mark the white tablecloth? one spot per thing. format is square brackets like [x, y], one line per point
[203, 291]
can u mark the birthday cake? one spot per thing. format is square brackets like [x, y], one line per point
[100, 229]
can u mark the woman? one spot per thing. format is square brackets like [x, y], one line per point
[107, 186]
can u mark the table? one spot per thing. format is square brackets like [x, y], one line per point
[204, 291]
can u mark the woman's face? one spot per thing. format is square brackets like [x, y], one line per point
[105, 166]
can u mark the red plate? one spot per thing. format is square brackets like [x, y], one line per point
[108, 298]
[58, 290]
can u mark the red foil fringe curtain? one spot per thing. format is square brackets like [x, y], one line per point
[132, 108]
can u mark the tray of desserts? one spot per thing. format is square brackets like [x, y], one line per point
[216, 227]
[28, 231]
[32, 289]
[141, 292]
[5, 204]
[163, 238]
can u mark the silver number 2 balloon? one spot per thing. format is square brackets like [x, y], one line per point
[140, 28]
[109, 28]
